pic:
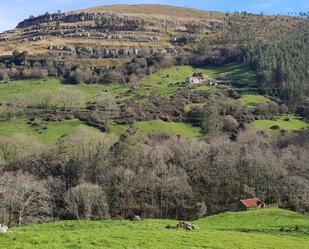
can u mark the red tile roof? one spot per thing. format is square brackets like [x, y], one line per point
[251, 203]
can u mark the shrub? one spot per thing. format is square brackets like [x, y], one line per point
[230, 123]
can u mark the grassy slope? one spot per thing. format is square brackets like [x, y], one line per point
[166, 81]
[253, 229]
[53, 131]
[157, 10]
[294, 124]
[251, 100]
[29, 91]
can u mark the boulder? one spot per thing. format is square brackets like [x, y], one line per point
[3, 229]
[136, 218]
[185, 225]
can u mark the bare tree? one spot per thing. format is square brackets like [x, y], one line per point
[45, 99]
[24, 199]
[71, 98]
[87, 201]
[13, 149]
[108, 104]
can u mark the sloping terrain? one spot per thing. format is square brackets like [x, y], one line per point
[268, 228]
[110, 32]
[108, 35]
[160, 103]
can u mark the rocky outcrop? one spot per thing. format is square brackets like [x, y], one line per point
[104, 52]
[97, 52]
[113, 37]
[107, 19]
[107, 53]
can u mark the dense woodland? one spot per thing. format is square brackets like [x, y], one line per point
[84, 176]
[280, 58]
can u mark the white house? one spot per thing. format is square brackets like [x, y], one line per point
[195, 80]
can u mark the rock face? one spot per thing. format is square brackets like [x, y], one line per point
[107, 35]
[105, 52]
[108, 17]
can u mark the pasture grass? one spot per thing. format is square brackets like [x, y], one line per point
[168, 80]
[48, 132]
[164, 82]
[251, 229]
[29, 91]
[285, 122]
[252, 100]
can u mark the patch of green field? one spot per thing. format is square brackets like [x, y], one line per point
[159, 127]
[47, 133]
[207, 88]
[172, 75]
[116, 128]
[253, 229]
[168, 80]
[57, 129]
[116, 90]
[29, 91]
[293, 124]
[10, 128]
[203, 88]
[237, 72]
[251, 100]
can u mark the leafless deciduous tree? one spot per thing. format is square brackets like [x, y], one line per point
[87, 201]
[23, 198]
[71, 98]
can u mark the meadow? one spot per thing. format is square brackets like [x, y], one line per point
[46, 132]
[30, 91]
[252, 100]
[164, 82]
[264, 228]
[284, 122]
[168, 80]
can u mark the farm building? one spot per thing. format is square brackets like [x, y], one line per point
[200, 79]
[195, 80]
[247, 204]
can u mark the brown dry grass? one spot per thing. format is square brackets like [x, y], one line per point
[157, 11]
[267, 26]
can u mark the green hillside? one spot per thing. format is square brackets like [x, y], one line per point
[22, 99]
[165, 112]
[266, 228]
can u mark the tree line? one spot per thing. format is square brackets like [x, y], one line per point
[86, 176]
